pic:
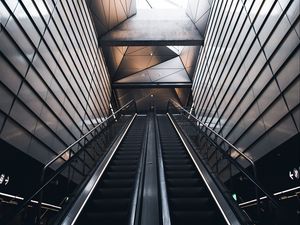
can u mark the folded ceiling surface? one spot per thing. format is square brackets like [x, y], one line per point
[149, 49]
[154, 27]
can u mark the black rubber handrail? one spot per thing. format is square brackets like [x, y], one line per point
[254, 179]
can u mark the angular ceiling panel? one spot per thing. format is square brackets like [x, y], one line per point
[108, 14]
[160, 73]
[173, 63]
[132, 7]
[114, 56]
[165, 66]
[183, 95]
[121, 10]
[188, 57]
[137, 59]
[198, 11]
[180, 76]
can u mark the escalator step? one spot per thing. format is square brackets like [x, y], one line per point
[194, 217]
[180, 174]
[121, 168]
[120, 174]
[192, 203]
[117, 182]
[187, 192]
[124, 162]
[175, 161]
[113, 192]
[106, 218]
[188, 182]
[134, 157]
[179, 167]
[115, 204]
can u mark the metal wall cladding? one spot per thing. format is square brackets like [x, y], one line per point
[54, 84]
[246, 83]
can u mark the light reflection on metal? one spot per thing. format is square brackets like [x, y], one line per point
[251, 202]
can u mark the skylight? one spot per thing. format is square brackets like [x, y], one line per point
[161, 4]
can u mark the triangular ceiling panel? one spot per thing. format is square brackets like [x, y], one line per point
[159, 73]
[180, 76]
[137, 59]
[110, 13]
[114, 56]
[121, 11]
[171, 64]
[198, 11]
[188, 57]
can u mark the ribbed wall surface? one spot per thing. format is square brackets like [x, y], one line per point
[54, 84]
[247, 83]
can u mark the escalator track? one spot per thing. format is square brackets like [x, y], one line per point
[190, 202]
[111, 201]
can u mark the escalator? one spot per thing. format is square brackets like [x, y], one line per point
[112, 199]
[190, 202]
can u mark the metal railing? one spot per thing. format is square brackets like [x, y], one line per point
[221, 155]
[69, 170]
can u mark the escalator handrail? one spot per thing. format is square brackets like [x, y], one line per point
[222, 138]
[165, 211]
[139, 183]
[254, 180]
[84, 136]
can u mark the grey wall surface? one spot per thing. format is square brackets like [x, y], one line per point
[247, 84]
[54, 84]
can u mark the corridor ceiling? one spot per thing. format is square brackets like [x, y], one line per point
[149, 50]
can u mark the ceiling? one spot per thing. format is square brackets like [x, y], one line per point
[150, 48]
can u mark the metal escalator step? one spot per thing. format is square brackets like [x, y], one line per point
[126, 156]
[181, 174]
[187, 182]
[124, 162]
[171, 147]
[193, 217]
[109, 204]
[187, 191]
[122, 168]
[113, 192]
[128, 152]
[120, 174]
[192, 203]
[107, 218]
[174, 155]
[177, 161]
[179, 167]
[117, 182]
